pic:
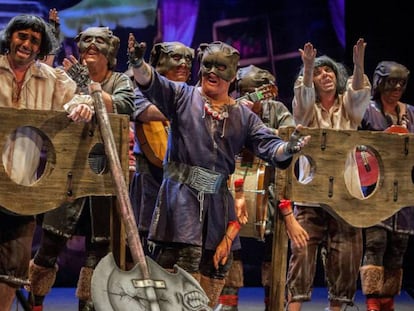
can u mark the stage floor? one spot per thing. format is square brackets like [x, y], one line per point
[251, 299]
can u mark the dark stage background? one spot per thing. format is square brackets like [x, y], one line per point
[286, 25]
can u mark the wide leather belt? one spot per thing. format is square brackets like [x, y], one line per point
[198, 178]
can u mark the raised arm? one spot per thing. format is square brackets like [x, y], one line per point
[358, 58]
[308, 55]
[142, 70]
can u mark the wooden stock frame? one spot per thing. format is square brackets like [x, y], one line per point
[68, 175]
[328, 150]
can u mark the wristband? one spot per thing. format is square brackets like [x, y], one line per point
[238, 184]
[287, 149]
[234, 224]
[285, 207]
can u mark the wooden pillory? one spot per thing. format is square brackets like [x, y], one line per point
[68, 174]
[328, 151]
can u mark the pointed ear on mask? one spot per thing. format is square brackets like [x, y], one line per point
[155, 54]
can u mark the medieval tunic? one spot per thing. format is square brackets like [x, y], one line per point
[198, 139]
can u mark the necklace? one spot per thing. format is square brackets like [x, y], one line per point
[221, 115]
[217, 115]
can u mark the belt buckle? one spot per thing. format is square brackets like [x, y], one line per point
[203, 180]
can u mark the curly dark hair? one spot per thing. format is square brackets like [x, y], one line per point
[341, 72]
[48, 43]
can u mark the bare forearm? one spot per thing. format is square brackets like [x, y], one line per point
[308, 55]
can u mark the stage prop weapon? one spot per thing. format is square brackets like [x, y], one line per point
[146, 287]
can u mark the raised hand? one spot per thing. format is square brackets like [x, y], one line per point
[308, 54]
[358, 58]
[78, 72]
[359, 53]
[54, 22]
[136, 51]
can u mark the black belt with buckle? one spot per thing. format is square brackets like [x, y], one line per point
[198, 178]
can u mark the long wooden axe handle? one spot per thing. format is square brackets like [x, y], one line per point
[124, 207]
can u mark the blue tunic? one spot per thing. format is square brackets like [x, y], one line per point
[197, 139]
[147, 178]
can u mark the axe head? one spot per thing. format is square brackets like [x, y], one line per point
[114, 289]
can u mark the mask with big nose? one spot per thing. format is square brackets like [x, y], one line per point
[103, 39]
[218, 58]
[167, 55]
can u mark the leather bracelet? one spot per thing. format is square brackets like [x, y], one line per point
[287, 214]
[287, 150]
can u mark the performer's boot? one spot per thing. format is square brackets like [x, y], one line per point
[83, 289]
[373, 303]
[212, 287]
[390, 288]
[372, 279]
[7, 294]
[266, 282]
[229, 297]
[387, 303]
[41, 282]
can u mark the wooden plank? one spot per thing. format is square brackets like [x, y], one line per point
[68, 174]
[328, 149]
